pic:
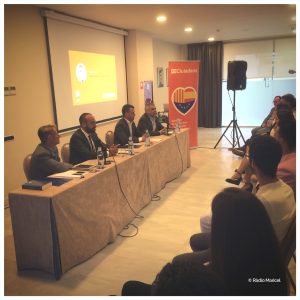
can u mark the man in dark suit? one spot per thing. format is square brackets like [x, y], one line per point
[150, 121]
[126, 127]
[45, 159]
[85, 141]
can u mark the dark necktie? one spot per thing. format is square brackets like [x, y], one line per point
[92, 144]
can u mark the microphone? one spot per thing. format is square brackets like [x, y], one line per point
[291, 71]
[168, 124]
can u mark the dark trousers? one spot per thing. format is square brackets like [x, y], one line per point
[136, 288]
[200, 244]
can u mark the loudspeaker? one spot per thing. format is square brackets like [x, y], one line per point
[236, 75]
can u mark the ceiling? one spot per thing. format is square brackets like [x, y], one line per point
[226, 22]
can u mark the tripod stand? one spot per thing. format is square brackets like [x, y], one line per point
[235, 129]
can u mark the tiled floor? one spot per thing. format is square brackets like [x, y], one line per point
[163, 233]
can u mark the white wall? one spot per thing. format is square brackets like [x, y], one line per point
[164, 52]
[139, 62]
[263, 57]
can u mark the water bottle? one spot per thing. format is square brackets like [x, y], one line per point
[130, 146]
[177, 126]
[100, 158]
[147, 138]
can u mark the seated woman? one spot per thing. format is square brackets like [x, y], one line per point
[244, 250]
[285, 132]
[244, 247]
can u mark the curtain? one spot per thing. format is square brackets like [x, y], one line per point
[210, 82]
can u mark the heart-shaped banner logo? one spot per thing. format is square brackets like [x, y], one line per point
[184, 99]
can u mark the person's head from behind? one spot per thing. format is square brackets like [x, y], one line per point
[283, 113]
[286, 133]
[290, 100]
[87, 122]
[48, 135]
[244, 245]
[128, 112]
[276, 100]
[150, 109]
[184, 278]
[264, 155]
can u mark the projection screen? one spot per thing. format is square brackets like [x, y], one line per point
[87, 69]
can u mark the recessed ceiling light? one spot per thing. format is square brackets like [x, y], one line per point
[161, 18]
[211, 39]
[188, 29]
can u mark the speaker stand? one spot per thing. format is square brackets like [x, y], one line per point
[235, 129]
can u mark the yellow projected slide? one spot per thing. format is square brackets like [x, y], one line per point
[93, 77]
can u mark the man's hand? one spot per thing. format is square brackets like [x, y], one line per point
[163, 131]
[113, 150]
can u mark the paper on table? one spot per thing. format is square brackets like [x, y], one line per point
[123, 151]
[155, 140]
[68, 174]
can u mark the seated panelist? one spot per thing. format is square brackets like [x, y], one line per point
[45, 159]
[85, 141]
[150, 121]
[126, 127]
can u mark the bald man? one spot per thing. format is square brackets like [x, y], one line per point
[150, 121]
[45, 159]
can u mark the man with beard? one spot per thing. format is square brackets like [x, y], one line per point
[85, 142]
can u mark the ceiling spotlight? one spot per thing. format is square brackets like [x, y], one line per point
[210, 39]
[188, 29]
[161, 19]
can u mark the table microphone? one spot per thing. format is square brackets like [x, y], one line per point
[168, 125]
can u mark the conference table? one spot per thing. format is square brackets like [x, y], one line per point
[62, 226]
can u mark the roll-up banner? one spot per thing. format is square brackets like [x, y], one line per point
[183, 78]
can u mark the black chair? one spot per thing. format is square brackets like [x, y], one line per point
[26, 165]
[65, 152]
[109, 138]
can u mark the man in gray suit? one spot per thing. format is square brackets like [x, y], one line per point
[150, 122]
[45, 158]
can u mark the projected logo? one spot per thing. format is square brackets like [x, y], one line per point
[81, 73]
[184, 99]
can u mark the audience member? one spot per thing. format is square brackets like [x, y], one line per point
[181, 278]
[278, 198]
[287, 138]
[245, 256]
[85, 141]
[126, 127]
[289, 100]
[45, 159]
[149, 121]
[286, 135]
[269, 122]
[244, 248]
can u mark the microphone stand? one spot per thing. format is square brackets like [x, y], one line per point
[168, 125]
